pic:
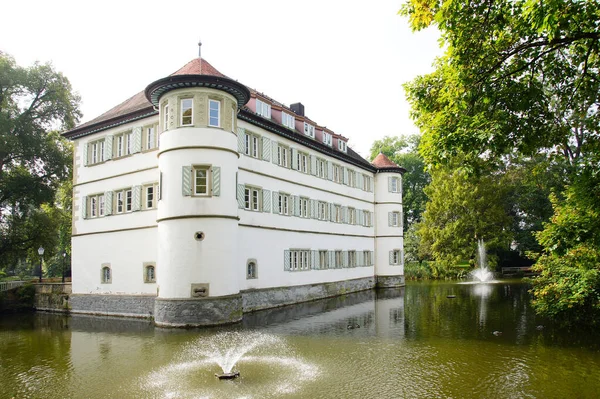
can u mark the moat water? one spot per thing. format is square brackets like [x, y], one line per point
[415, 342]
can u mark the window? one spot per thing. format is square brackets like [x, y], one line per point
[284, 203]
[299, 260]
[185, 112]
[214, 110]
[337, 173]
[105, 274]
[165, 112]
[124, 144]
[337, 216]
[351, 178]
[368, 218]
[251, 271]
[321, 165]
[302, 162]
[327, 139]
[323, 260]
[395, 219]
[128, 143]
[252, 199]
[263, 109]
[342, 146]
[251, 145]
[149, 273]
[322, 208]
[394, 185]
[150, 194]
[368, 258]
[351, 258]
[150, 138]
[338, 259]
[351, 216]
[124, 200]
[96, 205]
[282, 155]
[96, 151]
[309, 130]
[366, 183]
[288, 121]
[396, 257]
[201, 180]
[304, 207]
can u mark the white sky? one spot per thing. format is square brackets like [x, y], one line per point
[344, 60]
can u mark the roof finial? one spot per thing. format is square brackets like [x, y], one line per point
[199, 48]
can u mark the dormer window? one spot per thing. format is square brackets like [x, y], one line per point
[288, 121]
[309, 130]
[263, 109]
[327, 139]
[342, 146]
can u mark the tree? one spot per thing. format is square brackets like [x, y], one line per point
[462, 209]
[35, 102]
[403, 151]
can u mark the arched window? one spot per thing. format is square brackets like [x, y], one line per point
[251, 269]
[106, 276]
[149, 273]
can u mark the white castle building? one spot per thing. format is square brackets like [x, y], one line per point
[199, 199]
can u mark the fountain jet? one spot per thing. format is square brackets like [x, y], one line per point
[482, 273]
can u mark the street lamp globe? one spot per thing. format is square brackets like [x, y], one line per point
[41, 251]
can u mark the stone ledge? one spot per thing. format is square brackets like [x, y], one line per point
[197, 312]
[113, 305]
[390, 281]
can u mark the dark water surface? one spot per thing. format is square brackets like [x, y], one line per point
[413, 342]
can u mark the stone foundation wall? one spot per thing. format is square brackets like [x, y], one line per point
[53, 297]
[390, 281]
[197, 312]
[113, 305]
[275, 297]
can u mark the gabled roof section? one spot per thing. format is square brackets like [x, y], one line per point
[384, 164]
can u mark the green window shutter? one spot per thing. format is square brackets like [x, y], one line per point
[344, 214]
[108, 203]
[137, 140]
[359, 217]
[294, 158]
[344, 258]
[276, 202]
[84, 155]
[391, 257]
[216, 181]
[390, 219]
[345, 173]
[313, 208]
[266, 148]
[331, 212]
[331, 256]
[186, 181]
[390, 184]
[314, 260]
[286, 260]
[329, 170]
[360, 180]
[296, 205]
[240, 195]
[108, 147]
[84, 213]
[266, 200]
[274, 146]
[291, 200]
[137, 198]
[313, 165]
[241, 133]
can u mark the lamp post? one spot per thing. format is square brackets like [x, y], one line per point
[63, 268]
[41, 253]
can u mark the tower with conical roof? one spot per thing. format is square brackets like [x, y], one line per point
[389, 237]
[197, 215]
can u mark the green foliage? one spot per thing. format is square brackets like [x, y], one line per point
[417, 270]
[35, 102]
[403, 151]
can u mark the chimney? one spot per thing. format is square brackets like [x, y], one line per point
[298, 108]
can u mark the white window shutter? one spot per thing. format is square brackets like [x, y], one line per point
[329, 170]
[344, 214]
[84, 213]
[313, 165]
[137, 140]
[84, 155]
[108, 203]
[216, 181]
[241, 133]
[276, 202]
[390, 184]
[360, 180]
[240, 196]
[314, 209]
[331, 213]
[345, 258]
[331, 255]
[266, 148]
[296, 205]
[274, 146]
[294, 158]
[186, 181]
[108, 147]
[345, 171]
[137, 198]
[266, 199]
[391, 257]
[286, 260]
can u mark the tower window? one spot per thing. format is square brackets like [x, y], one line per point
[214, 111]
[187, 118]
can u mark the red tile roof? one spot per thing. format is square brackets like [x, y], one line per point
[382, 162]
[198, 66]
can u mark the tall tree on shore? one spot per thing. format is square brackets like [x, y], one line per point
[35, 103]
